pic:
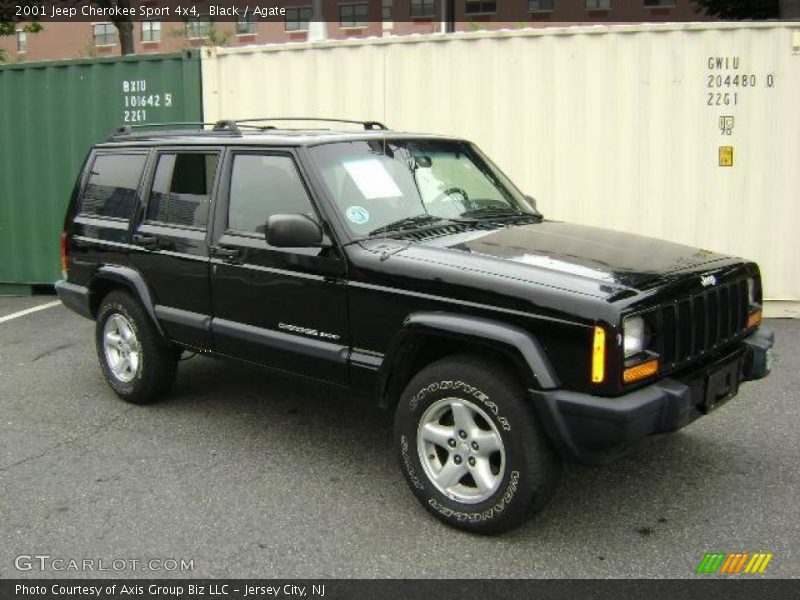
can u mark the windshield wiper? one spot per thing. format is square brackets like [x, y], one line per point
[494, 212]
[407, 223]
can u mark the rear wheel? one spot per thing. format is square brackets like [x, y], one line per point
[138, 364]
[470, 447]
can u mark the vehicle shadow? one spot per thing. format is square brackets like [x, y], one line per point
[658, 484]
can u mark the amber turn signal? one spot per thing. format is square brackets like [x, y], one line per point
[599, 355]
[640, 371]
[754, 319]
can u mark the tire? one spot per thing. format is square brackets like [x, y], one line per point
[496, 487]
[152, 361]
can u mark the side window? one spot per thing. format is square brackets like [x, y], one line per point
[262, 186]
[182, 187]
[111, 189]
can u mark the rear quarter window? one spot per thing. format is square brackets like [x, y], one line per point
[111, 188]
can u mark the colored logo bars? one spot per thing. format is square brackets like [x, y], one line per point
[738, 562]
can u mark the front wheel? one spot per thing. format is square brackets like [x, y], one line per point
[470, 447]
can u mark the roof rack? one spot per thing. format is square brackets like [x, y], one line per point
[368, 125]
[227, 126]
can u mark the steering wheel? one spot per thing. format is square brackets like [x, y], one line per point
[468, 204]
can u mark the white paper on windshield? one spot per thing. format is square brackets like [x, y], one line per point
[372, 179]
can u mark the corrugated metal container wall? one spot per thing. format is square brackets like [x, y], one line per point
[616, 126]
[50, 115]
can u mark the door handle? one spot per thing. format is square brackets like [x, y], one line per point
[228, 255]
[150, 242]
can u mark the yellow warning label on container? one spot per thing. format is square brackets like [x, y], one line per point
[726, 156]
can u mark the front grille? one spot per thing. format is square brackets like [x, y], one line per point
[694, 326]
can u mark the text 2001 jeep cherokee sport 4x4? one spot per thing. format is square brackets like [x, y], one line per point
[408, 267]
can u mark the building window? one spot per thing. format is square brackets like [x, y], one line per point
[151, 31]
[22, 41]
[598, 4]
[105, 34]
[658, 3]
[353, 15]
[198, 27]
[540, 5]
[477, 8]
[246, 26]
[297, 19]
[422, 8]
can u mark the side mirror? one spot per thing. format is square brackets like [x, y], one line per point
[532, 201]
[293, 231]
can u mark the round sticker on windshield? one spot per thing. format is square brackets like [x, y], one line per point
[357, 215]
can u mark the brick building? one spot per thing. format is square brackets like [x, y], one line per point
[345, 19]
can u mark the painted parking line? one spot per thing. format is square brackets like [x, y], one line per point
[28, 311]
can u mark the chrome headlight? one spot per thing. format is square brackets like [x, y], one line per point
[634, 336]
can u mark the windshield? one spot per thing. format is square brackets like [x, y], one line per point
[391, 185]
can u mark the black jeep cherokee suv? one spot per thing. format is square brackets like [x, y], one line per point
[410, 268]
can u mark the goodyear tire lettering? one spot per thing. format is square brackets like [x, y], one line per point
[466, 389]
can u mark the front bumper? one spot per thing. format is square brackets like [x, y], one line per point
[593, 429]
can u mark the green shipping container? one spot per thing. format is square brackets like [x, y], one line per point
[50, 115]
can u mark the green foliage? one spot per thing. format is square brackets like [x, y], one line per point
[8, 24]
[218, 37]
[10, 28]
[740, 9]
[214, 36]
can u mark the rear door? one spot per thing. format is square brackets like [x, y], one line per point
[282, 307]
[171, 241]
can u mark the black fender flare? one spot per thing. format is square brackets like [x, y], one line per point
[134, 281]
[502, 336]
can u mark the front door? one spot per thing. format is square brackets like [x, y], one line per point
[282, 307]
[173, 249]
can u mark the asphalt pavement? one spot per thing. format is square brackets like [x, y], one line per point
[248, 474]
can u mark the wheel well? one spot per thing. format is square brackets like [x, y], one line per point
[102, 287]
[425, 349]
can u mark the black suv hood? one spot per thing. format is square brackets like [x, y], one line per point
[570, 254]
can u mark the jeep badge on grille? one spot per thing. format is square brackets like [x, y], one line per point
[708, 280]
